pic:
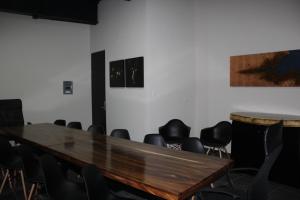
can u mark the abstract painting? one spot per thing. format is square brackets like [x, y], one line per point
[134, 72]
[275, 69]
[116, 73]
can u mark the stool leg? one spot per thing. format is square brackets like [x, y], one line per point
[10, 181]
[4, 180]
[23, 184]
[31, 191]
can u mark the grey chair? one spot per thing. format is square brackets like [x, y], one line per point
[120, 133]
[96, 129]
[175, 131]
[155, 139]
[192, 144]
[258, 187]
[217, 137]
[60, 122]
[96, 185]
[75, 125]
[57, 186]
[11, 113]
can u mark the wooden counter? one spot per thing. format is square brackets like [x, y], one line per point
[266, 119]
[248, 148]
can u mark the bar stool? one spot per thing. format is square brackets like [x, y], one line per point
[10, 161]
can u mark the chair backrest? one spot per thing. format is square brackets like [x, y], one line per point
[52, 174]
[97, 129]
[155, 139]
[217, 135]
[192, 144]
[273, 145]
[11, 113]
[95, 183]
[31, 164]
[223, 132]
[5, 150]
[120, 133]
[60, 122]
[76, 125]
[175, 128]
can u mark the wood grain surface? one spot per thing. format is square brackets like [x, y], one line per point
[163, 172]
[266, 118]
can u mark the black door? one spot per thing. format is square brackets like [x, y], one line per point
[98, 89]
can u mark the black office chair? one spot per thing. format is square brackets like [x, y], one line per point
[192, 144]
[258, 187]
[57, 186]
[76, 125]
[60, 122]
[217, 137]
[120, 133]
[95, 183]
[10, 162]
[174, 132]
[155, 139]
[11, 113]
[97, 129]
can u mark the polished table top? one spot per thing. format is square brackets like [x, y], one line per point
[160, 171]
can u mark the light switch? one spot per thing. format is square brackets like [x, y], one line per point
[68, 87]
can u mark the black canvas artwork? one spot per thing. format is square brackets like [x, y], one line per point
[134, 72]
[117, 77]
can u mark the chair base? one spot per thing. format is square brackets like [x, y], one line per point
[219, 150]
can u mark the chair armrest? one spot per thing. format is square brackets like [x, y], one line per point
[229, 174]
[211, 194]
[205, 130]
[247, 170]
[120, 197]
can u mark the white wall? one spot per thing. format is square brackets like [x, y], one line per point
[162, 32]
[245, 27]
[187, 45]
[121, 33]
[35, 57]
[170, 54]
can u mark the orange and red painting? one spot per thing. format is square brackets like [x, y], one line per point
[275, 69]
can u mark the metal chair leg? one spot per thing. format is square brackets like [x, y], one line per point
[220, 152]
[227, 154]
[208, 150]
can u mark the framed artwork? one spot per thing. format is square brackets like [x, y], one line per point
[274, 69]
[134, 72]
[116, 73]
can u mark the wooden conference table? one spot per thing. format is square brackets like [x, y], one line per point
[166, 173]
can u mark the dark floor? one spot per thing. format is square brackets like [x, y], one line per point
[277, 191]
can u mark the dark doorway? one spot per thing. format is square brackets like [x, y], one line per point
[98, 89]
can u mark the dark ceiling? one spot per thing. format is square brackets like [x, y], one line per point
[80, 11]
